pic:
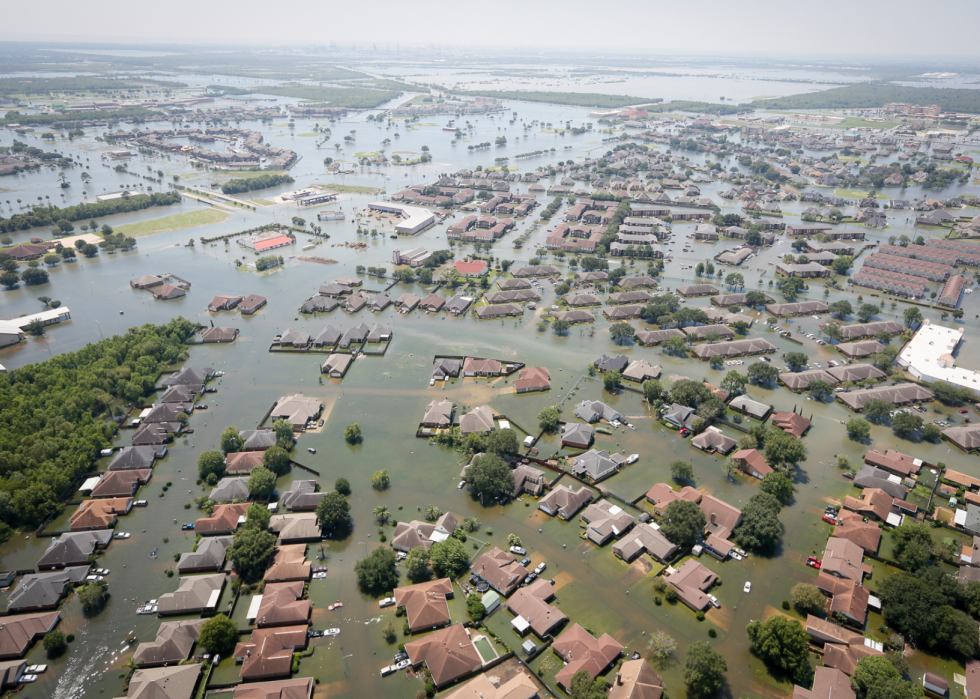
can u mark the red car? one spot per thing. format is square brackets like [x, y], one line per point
[814, 562]
[830, 519]
[683, 432]
[962, 410]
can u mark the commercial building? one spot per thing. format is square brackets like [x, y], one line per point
[414, 218]
[929, 356]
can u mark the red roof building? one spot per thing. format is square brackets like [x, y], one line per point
[471, 268]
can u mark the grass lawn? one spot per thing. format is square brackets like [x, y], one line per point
[854, 123]
[263, 202]
[243, 174]
[351, 189]
[859, 194]
[176, 222]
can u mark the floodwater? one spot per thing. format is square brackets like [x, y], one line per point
[387, 395]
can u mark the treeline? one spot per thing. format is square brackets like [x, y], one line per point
[40, 86]
[872, 95]
[49, 216]
[237, 186]
[691, 106]
[54, 415]
[268, 262]
[56, 120]
[577, 99]
[352, 97]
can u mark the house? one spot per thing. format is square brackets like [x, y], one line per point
[223, 520]
[296, 527]
[843, 558]
[173, 643]
[564, 501]
[722, 519]
[752, 408]
[268, 653]
[196, 594]
[827, 682]
[408, 535]
[477, 366]
[241, 462]
[878, 505]
[499, 570]
[851, 526]
[355, 302]
[147, 281]
[594, 410]
[735, 348]
[209, 555]
[606, 520]
[520, 686]
[280, 604]
[636, 679]
[37, 591]
[425, 604]
[531, 604]
[302, 496]
[533, 379]
[843, 647]
[935, 685]
[120, 484]
[449, 654]
[432, 303]
[445, 368]
[708, 332]
[188, 376]
[293, 688]
[167, 292]
[18, 632]
[752, 462]
[251, 304]
[528, 479]
[297, 410]
[894, 462]
[337, 365]
[580, 650]
[848, 597]
[574, 317]
[99, 514]
[219, 335]
[499, 311]
[288, 564]
[696, 290]
[229, 490]
[794, 424]
[438, 414]
[73, 549]
[223, 303]
[258, 440]
[577, 434]
[177, 682]
[597, 464]
[661, 495]
[294, 338]
[470, 268]
[480, 420]
[712, 440]
[692, 582]
[640, 370]
[644, 538]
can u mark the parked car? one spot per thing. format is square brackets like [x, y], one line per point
[747, 587]
[518, 550]
[814, 562]
[187, 527]
[525, 562]
[311, 450]
[386, 602]
[829, 518]
[714, 601]
[540, 569]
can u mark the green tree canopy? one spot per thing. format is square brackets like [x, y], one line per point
[417, 564]
[449, 558]
[796, 360]
[376, 574]
[219, 635]
[704, 670]
[352, 433]
[681, 471]
[276, 459]
[763, 372]
[210, 462]
[549, 419]
[490, 478]
[261, 483]
[778, 485]
[858, 429]
[231, 440]
[682, 523]
[333, 514]
[284, 433]
[760, 529]
[781, 643]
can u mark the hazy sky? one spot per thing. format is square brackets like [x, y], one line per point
[827, 28]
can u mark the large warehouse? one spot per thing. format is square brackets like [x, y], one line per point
[929, 356]
[414, 218]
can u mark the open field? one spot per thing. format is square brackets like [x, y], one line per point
[176, 222]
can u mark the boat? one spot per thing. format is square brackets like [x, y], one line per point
[631, 459]
[331, 632]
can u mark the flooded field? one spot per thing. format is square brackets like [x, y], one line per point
[387, 396]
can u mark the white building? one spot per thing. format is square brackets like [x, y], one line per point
[929, 357]
[414, 218]
[415, 257]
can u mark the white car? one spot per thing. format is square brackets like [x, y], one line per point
[331, 632]
[518, 550]
[735, 556]
[714, 601]
[36, 669]
[631, 459]
[386, 602]
[27, 679]
[747, 587]
[320, 576]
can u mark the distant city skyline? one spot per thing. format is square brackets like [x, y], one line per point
[828, 30]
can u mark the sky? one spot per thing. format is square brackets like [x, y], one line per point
[826, 28]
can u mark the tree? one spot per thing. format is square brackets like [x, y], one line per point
[342, 486]
[549, 419]
[904, 424]
[449, 558]
[417, 564]
[808, 599]
[866, 312]
[490, 478]
[211, 462]
[653, 390]
[93, 595]
[782, 643]
[333, 513]
[734, 382]
[661, 644]
[475, 608]
[681, 471]
[913, 546]
[778, 485]
[431, 513]
[276, 459]
[796, 360]
[689, 393]
[704, 670]
[858, 429]
[754, 299]
[502, 442]
[352, 433]
[841, 309]
[55, 644]
[9, 279]
[735, 280]
[820, 389]
[380, 480]
[931, 433]
[377, 574]
[583, 686]
[912, 316]
[560, 326]
[878, 678]
[683, 522]
[284, 433]
[760, 529]
[35, 327]
[842, 264]
[261, 483]
[34, 277]
[382, 513]
[251, 550]
[763, 372]
[622, 332]
[949, 394]
[876, 410]
[231, 440]
[219, 635]
[612, 380]
[784, 448]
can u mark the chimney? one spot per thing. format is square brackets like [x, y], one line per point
[713, 518]
[619, 679]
